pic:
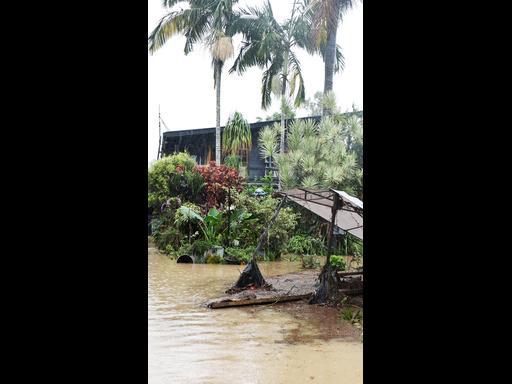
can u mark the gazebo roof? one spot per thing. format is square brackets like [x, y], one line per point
[349, 217]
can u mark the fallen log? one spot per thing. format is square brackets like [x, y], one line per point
[238, 302]
[352, 292]
[351, 273]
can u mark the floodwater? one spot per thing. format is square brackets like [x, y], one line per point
[267, 344]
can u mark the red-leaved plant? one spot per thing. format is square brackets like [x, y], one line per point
[218, 179]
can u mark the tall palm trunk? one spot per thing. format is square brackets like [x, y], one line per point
[218, 72]
[283, 100]
[329, 58]
[330, 53]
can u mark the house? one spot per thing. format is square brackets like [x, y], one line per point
[200, 143]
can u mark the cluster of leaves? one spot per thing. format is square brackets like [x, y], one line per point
[328, 154]
[306, 245]
[338, 262]
[354, 316]
[218, 180]
[243, 255]
[261, 210]
[233, 161]
[237, 135]
[266, 183]
[173, 176]
[351, 246]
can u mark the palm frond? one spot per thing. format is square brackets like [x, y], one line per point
[237, 134]
[266, 82]
[309, 182]
[267, 142]
[297, 77]
[295, 134]
[168, 26]
[339, 62]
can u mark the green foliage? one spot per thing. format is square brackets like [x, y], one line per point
[166, 236]
[188, 212]
[233, 161]
[184, 249]
[187, 218]
[355, 317]
[267, 141]
[272, 47]
[265, 183]
[236, 135]
[328, 154]
[210, 226]
[241, 254]
[214, 259]
[173, 176]
[306, 245]
[169, 249]
[351, 246]
[338, 262]
[262, 209]
[199, 247]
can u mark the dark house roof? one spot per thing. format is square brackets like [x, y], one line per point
[199, 142]
[256, 125]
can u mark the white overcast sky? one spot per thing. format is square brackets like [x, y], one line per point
[183, 85]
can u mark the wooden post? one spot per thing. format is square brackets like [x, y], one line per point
[334, 211]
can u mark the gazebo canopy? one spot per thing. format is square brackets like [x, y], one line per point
[349, 217]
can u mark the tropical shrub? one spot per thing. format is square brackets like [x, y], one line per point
[168, 235]
[338, 262]
[262, 210]
[210, 226]
[218, 179]
[328, 154]
[199, 247]
[241, 254]
[233, 161]
[306, 245]
[265, 183]
[237, 135]
[169, 249]
[187, 219]
[173, 176]
[213, 259]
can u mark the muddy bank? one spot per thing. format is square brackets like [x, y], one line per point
[298, 286]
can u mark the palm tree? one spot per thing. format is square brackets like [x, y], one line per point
[237, 135]
[203, 20]
[271, 46]
[326, 16]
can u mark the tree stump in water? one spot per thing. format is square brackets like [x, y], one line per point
[249, 278]
[327, 291]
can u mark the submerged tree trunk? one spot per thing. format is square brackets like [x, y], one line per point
[251, 275]
[330, 57]
[218, 72]
[329, 282]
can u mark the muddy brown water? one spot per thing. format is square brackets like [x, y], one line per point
[282, 343]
